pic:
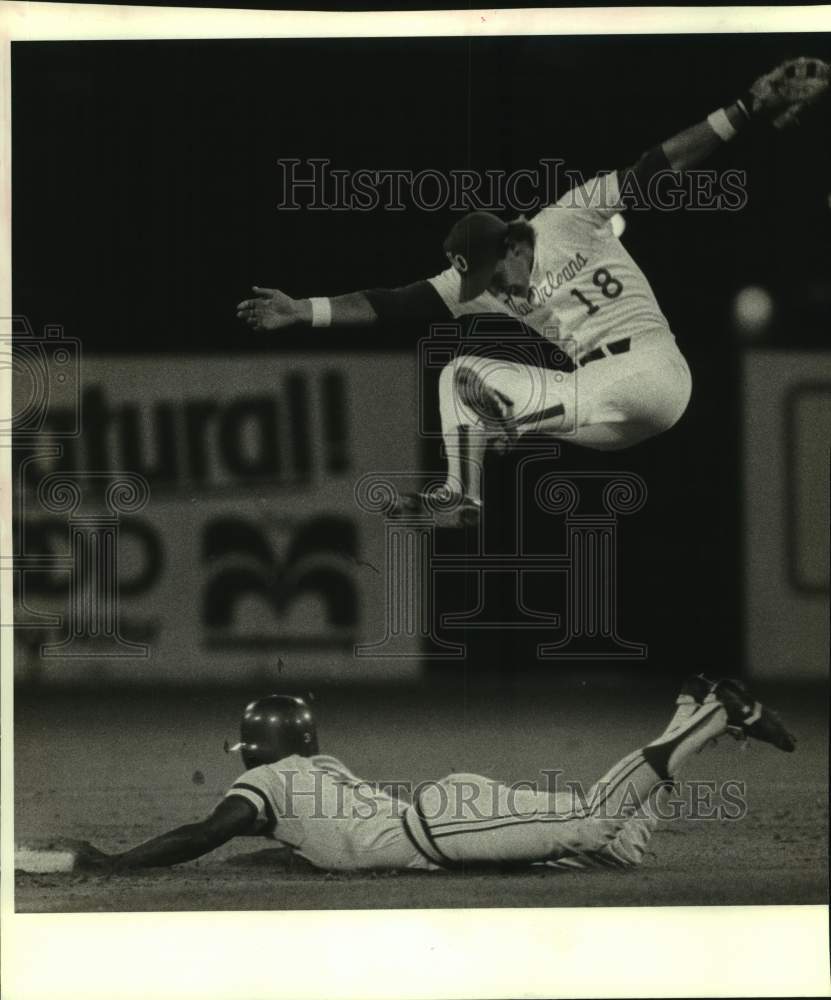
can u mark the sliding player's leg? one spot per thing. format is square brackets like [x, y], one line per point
[629, 846]
[704, 711]
[627, 786]
[468, 819]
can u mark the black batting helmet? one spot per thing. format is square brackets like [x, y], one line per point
[274, 727]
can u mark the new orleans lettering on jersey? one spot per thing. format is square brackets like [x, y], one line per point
[585, 287]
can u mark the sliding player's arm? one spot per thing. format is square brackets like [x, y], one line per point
[233, 817]
[272, 309]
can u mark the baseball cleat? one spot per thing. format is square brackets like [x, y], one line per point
[747, 717]
[494, 409]
[446, 508]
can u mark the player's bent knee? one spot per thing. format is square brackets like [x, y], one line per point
[659, 420]
[447, 376]
[669, 414]
[668, 400]
[673, 403]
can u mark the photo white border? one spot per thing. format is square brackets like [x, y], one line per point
[631, 952]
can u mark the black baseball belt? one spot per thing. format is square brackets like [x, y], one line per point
[606, 350]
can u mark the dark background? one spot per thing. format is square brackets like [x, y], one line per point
[145, 181]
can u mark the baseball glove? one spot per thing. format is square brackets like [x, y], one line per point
[780, 96]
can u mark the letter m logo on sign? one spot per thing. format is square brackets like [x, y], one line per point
[292, 585]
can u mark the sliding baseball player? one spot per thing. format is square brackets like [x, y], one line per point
[314, 805]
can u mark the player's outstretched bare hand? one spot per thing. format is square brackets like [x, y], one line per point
[87, 858]
[271, 310]
[599, 831]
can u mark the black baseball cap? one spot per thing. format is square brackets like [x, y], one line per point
[474, 246]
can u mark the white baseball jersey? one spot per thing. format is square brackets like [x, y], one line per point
[585, 287]
[327, 815]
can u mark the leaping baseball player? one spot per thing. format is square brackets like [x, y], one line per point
[314, 805]
[568, 278]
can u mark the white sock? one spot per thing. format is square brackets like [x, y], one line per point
[465, 447]
[686, 706]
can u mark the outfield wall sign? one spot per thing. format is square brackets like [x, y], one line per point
[787, 430]
[182, 520]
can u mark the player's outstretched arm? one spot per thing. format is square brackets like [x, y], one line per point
[695, 144]
[233, 817]
[271, 309]
[776, 98]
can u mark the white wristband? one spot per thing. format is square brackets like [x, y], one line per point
[720, 124]
[321, 312]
